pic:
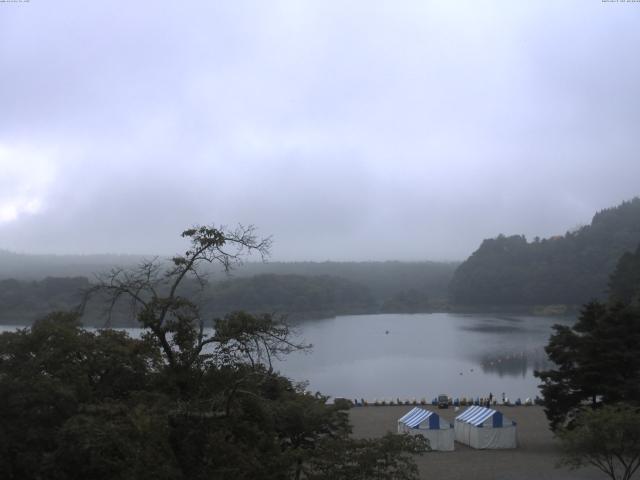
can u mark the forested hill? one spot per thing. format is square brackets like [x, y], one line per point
[300, 289]
[570, 269]
[296, 296]
[624, 286]
[22, 302]
[385, 280]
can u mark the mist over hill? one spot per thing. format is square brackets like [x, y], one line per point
[297, 296]
[384, 279]
[569, 269]
[22, 266]
[31, 286]
[505, 272]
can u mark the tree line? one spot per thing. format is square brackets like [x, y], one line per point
[592, 394]
[571, 269]
[383, 279]
[296, 296]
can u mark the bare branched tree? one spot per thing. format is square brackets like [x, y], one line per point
[255, 339]
[159, 295]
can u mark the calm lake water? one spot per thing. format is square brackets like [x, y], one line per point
[422, 355]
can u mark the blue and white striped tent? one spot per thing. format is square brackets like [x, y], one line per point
[481, 427]
[438, 431]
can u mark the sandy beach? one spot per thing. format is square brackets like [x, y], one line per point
[534, 459]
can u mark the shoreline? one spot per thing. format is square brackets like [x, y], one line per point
[24, 319]
[454, 403]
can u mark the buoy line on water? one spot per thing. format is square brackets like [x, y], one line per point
[452, 402]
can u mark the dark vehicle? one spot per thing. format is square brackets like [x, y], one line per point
[443, 401]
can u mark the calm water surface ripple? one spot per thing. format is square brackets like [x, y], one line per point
[388, 356]
[413, 356]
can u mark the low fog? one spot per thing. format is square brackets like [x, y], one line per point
[349, 131]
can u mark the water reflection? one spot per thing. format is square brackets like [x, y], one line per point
[422, 355]
[487, 328]
[515, 363]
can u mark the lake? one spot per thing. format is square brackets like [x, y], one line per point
[423, 355]
[386, 356]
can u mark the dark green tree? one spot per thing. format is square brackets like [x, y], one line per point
[596, 361]
[387, 458]
[624, 286]
[115, 440]
[568, 269]
[407, 301]
[182, 402]
[163, 300]
[52, 373]
[607, 438]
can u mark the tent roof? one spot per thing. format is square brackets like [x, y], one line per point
[415, 417]
[476, 415]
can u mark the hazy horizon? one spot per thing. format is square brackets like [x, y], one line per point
[349, 132]
[256, 259]
[249, 260]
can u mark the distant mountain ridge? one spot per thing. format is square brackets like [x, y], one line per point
[570, 269]
[299, 290]
[297, 296]
[384, 278]
[23, 266]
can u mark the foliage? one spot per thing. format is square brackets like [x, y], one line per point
[388, 457]
[592, 397]
[178, 403]
[597, 361]
[23, 301]
[382, 279]
[607, 438]
[624, 286]
[407, 301]
[242, 337]
[49, 374]
[294, 295]
[115, 440]
[570, 269]
[158, 298]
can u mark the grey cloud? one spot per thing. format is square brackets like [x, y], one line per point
[367, 130]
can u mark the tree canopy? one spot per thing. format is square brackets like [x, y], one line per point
[607, 438]
[295, 295]
[570, 269]
[597, 360]
[624, 286]
[182, 401]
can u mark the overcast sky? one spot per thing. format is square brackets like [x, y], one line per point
[347, 130]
